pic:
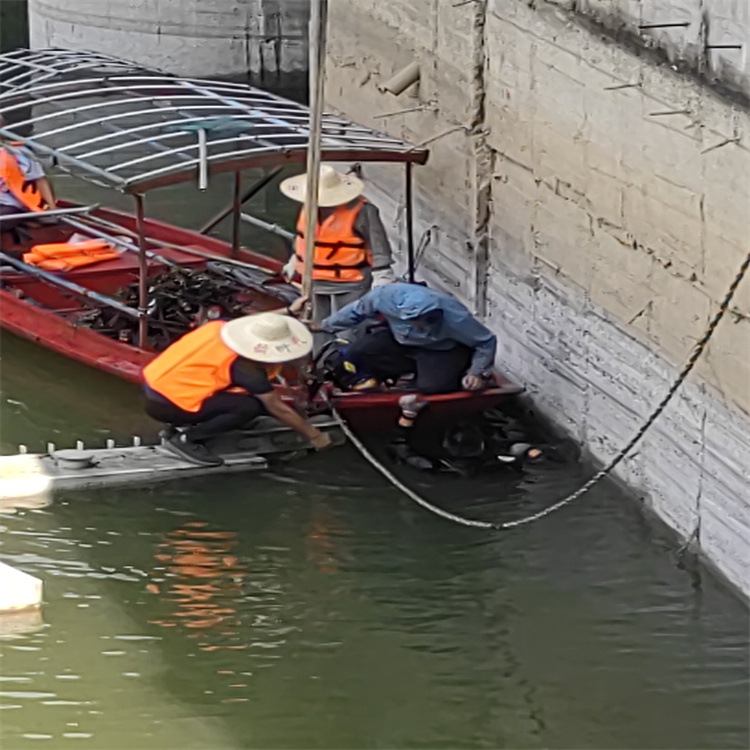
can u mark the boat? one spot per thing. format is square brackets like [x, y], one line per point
[120, 125]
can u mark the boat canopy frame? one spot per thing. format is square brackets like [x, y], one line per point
[132, 128]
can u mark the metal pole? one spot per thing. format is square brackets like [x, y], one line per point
[142, 273]
[75, 289]
[256, 187]
[409, 224]
[236, 209]
[318, 20]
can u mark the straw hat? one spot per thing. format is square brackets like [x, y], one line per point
[267, 337]
[334, 189]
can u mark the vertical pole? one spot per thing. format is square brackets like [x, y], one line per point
[409, 223]
[318, 21]
[236, 209]
[142, 273]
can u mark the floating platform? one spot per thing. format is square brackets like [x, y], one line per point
[28, 475]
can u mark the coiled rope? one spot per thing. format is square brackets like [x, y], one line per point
[697, 351]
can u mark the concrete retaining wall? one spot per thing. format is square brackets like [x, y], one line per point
[262, 39]
[592, 202]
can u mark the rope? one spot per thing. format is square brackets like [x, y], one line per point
[697, 351]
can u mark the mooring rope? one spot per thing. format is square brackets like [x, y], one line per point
[697, 351]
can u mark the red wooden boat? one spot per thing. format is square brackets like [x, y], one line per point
[110, 122]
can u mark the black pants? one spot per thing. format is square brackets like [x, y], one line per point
[381, 356]
[221, 413]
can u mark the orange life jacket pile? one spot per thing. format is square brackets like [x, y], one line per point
[66, 256]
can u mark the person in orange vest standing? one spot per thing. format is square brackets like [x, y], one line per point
[24, 188]
[352, 253]
[216, 379]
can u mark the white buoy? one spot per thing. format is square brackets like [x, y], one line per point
[110, 444]
[18, 590]
[22, 477]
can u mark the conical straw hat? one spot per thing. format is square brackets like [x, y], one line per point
[267, 337]
[334, 189]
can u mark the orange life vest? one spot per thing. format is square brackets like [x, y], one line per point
[18, 186]
[340, 253]
[65, 256]
[196, 367]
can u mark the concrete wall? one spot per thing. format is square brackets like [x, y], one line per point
[592, 203]
[261, 39]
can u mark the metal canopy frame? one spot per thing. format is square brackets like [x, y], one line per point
[115, 123]
[125, 126]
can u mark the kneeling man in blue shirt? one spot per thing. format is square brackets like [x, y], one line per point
[429, 334]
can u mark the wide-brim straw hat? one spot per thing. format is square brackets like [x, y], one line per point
[267, 337]
[334, 189]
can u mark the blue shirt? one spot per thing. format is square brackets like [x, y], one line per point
[401, 303]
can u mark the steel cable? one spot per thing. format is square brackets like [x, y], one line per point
[596, 478]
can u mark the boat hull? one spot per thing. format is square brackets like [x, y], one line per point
[47, 316]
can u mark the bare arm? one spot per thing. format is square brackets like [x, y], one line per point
[45, 188]
[276, 407]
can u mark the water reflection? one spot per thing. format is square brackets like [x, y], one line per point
[199, 581]
[17, 623]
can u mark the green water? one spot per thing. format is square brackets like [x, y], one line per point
[319, 608]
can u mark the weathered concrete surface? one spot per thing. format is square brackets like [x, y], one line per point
[262, 39]
[594, 203]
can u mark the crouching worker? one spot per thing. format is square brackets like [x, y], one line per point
[429, 334]
[216, 379]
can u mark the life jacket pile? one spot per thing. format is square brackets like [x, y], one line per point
[65, 256]
[23, 190]
[196, 367]
[340, 253]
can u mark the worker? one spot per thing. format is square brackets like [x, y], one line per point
[352, 252]
[428, 333]
[192, 385]
[24, 188]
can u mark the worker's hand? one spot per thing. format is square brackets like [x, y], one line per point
[321, 442]
[382, 276]
[472, 383]
[298, 305]
[288, 270]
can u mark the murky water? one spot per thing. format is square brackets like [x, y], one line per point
[321, 609]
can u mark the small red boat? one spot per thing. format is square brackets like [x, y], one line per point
[113, 123]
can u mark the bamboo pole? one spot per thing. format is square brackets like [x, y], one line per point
[318, 21]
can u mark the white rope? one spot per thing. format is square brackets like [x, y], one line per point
[697, 351]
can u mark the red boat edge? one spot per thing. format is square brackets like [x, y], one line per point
[37, 311]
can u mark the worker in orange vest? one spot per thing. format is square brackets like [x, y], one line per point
[194, 383]
[24, 188]
[352, 251]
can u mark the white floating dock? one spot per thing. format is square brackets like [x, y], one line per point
[26, 476]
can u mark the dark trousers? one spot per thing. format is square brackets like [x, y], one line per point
[220, 413]
[380, 355]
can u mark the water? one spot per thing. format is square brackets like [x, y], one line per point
[319, 608]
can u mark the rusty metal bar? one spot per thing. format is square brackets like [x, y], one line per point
[142, 273]
[236, 210]
[409, 223]
[255, 188]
